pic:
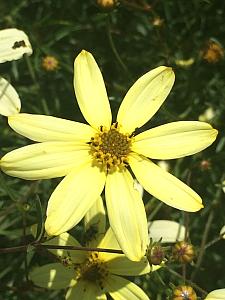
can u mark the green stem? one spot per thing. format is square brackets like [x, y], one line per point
[113, 47]
[188, 281]
[23, 248]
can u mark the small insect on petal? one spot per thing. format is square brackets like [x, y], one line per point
[14, 44]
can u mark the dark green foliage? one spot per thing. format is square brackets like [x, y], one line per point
[126, 44]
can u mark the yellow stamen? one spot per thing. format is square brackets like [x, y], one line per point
[93, 269]
[110, 148]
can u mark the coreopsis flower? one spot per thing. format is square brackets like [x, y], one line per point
[9, 99]
[92, 275]
[50, 63]
[184, 292]
[213, 52]
[101, 154]
[216, 295]
[14, 44]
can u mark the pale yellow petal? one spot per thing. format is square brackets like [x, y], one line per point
[121, 265]
[91, 92]
[52, 276]
[45, 160]
[216, 295]
[14, 44]
[65, 239]
[47, 128]
[109, 241]
[126, 213]
[222, 232]
[72, 198]
[174, 140]
[163, 185]
[9, 99]
[85, 290]
[95, 223]
[167, 231]
[122, 289]
[144, 98]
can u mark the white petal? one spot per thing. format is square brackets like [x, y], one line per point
[127, 215]
[168, 231]
[122, 289]
[14, 44]
[72, 198]
[90, 91]
[9, 99]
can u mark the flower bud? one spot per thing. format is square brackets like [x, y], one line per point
[183, 252]
[184, 292]
[50, 63]
[155, 254]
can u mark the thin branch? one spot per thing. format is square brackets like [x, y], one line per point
[23, 248]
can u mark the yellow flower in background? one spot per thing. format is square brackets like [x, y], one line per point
[98, 155]
[92, 275]
[213, 52]
[216, 295]
[50, 63]
[14, 44]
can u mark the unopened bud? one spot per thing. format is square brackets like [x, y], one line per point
[183, 252]
[184, 292]
[155, 254]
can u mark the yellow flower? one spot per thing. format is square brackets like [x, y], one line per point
[97, 155]
[92, 275]
[50, 63]
[216, 295]
[14, 44]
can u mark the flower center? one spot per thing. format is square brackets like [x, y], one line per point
[93, 269]
[110, 148]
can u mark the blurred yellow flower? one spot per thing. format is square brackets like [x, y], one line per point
[14, 44]
[213, 52]
[184, 62]
[97, 155]
[50, 63]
